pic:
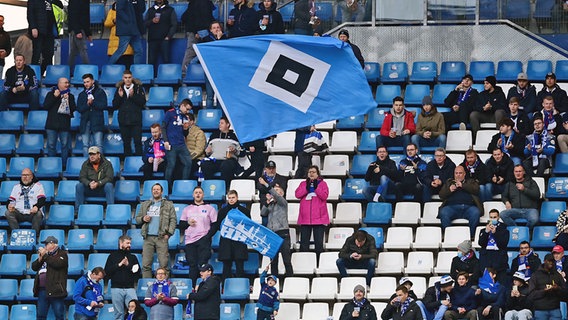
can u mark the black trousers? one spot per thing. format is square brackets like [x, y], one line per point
[129, 133]
[42, 53]
[286, 255]
[196, 254]
[306, 232]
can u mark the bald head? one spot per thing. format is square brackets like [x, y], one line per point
[459, 173]
[63, 84]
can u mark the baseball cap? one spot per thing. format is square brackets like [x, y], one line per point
[446, 281]
[270, 164]
[522, 76]
[273, 277]
[404, 280]
[206, 267]
[550, 75]
[50, 239]
[558, 249]
[94, 149]
[468, 76]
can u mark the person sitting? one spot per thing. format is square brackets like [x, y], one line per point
[405, 281]
[520, 119]
[477, 170]
[412, 170]
[359, 307]
[526, 262]
[461, 100]
[540, 148]
[525, 92]
[222, 152]
[519, 306]
[358, 252]
[381, 174]
[521, 197]
[436, 300]
[508, 140]
[492, 296]
[464, 302]
[154, 156]
[20, 85]
[135, 311]
[403, 307]
[550, 115]
[466, 261]
[95, 178]
[551, 88]
[493, 240]
[490, 106]
[560, 260]
[26, 202]
[398, 126]
[430, 127]
[500, 168]
[438, 170]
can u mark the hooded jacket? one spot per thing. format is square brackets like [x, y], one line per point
[230, 249]
[408, 122]
[433, 297]
[517, 139]
[541, 298]
[470, 266]
[497, 259]
[313, 211]
[245, 22]
[495, 98]
[367, 311]
[275, 21]
[79, 18]
[432, 121]
[41, 19]
[479, 173]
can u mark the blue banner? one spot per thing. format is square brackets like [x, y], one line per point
[274, 83]
[236, 226]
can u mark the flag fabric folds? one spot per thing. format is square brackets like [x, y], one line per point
[274, 83]
[236, 226]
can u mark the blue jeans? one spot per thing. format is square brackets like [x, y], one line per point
[495, 189]
[82, 191]
[120, 299]
[91, 139]
[370, 191]
[343, 264]
[63, 136]
[553, 314]
[398, 141]
[123, 42]
[43, 304]
[485, 192]
[460, 211]
[172, 155]
[434, 315]
[508, 216]
[421, 142]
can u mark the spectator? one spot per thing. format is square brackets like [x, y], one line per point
[154, 156]
[276, 212]
[437, 171]
[20, 85]
[255, 152]
[526, 262]
[223, 149]
[5, 45]
[313, 216]
[500, 168]
[95, 179]
[412, 172]
[344, 36]
[91, 104]
[466, 261]
[50, 281]
[304, 158]
[477, 170]
[122, 269]
[24, 46]
[460, 197]
[518, 304]
[195, 224]
[273, 179]
[215, 34]
[197, 18]
[79, 25]
[551, 88]
[509, 141]
[60, 105]
[560, 260]
[158, 219]
[88, 295]
[195, 141]
[430, 128]
[546, 287]
[351, 8]
[26, 202]
[268, 300]
[464, 301]
[135, 311]
[397, 127]
[493, 240]
[176, 129]
[521, 197]
[521, 121]
[461, 100]
[490, 106]
[405, 281]
[525, 92]
[561, 236]
[161, 22]
[161, 296]
[242, 19]
[558, 14]
[540, 148]
[550, 115]
[207, 295]
[403, 307]
[492, 296]
[358, 252]
[436, 300]
[129, 29]
[302, 17]
[359, 307]
[269, 20]
[130, 99]
[41, 25]
[381, 175]
[110, 22]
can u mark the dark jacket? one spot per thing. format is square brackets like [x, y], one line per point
[463, 297]
[39, 18]
[198, 15]
[518, 141]
[522, 122]
[129, 108]
[367, 251]
[275, 21]
[302, 15]
[56, 275]
[558, 96]
[230, 249]
[409, 175]
[367, 311]
[532, 264]
[148, 149]
[495, 98]
[104, 175]
[167, 25]
[79, 17]
[521, 302]
[468, 104]
[139, 314]
[546, 299]
[527, 100]
[433, 297]
[393, 312]
[207, 299]
[469, 186]
[129, 20]
[444, 173]
[470, 266]
[479, 172]
[279, 180]
[5, 43]
[357, 53]
[92, 113]
[27, 75]
[58, 121]
[525, 199]
[496, 259]
[503, 169]
[122, 276]
[388, 169]
[245, 21]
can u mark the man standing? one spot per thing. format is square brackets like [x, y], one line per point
[438, 171]
[154, 156]
[91, 104]
[79, 24]
[526, 262]
[26, 202]
[398, 126]
[197, 19]
[161, 22]
[207, 295]
[60, 105]
[95, 179]
[508, 140]
[123, 270]
[158, 219]
[51, 279]
[130, 99]
[461, 100]
[273, 179]
[129, 29]
[412, 170]
[546, 287]
[539, 147]
[88, 295]
[493, 240]
[42, 27]
[176, 129]
[525, 92]
[5, 45]
[358, 252]
[195, 141]
[343, 35]
[490, 106]
[20, 85]
[521, 198]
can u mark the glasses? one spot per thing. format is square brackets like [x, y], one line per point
[26, 174]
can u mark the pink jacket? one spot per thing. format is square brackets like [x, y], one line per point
[314, 211]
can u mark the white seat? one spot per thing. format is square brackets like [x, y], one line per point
[245, 163]
[430, 213]
[335, 188]
[444, 262]
[419, 262]
[256, 289]
[327, 263]
[348, 213]
[304, 262]
[324, 288]
[335, 165]
[284, 142]
[454, 235]
[458, 140]
[475, 243]
[328, 125]
[337, 308]
[293, 212]
[316, 161]
[347, 285]
[291, 189]
[315, 310]
[540, 183]
[382, 288]
[427, 238]
[487, 206]
[288, 311]
[379, 307]
[255, 212]
[390, 263]
[266, 261]
[398, 238]
[246, 188]
[284, 164]
[456, 158]
[418, 286]
[337, 236]
[295, 288]
[483, 138]
[484, 156]
[406, 213]
[432, 281]
[506, 86]
[343, 141]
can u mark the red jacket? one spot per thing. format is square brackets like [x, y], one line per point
[408, 123]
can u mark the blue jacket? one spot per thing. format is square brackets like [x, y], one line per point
[268, 299]
[463, 297]
[548, 145]
[83, 296]
[94, 112]
[173, 131]
[129, 21]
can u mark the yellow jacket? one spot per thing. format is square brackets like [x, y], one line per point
[113, 39]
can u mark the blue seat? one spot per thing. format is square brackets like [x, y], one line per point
[195, 74]
[109, 91]
[287, 12]
[182, 190]
[37, 70]
[507, 71]
[131, 167]
[30, 144]
[560, 165]
[26, 290]
[353, 122]
[49, 190]
[147, 189]
[115, 162]
[230, 311]
[250, 311]
[543, 10]
[550, 210]
[517, 234]
[372, 72]
[195, 94]
[22, 240]
[368, 142]
[49, 167]
[7, 144]
[377, 213]
[137, 240]
[179, 8]
[149, 117]
[557, 188]
[23, 312]
[114, 126]
[353, 189]
[375, 119]
[80, 240]
[18, 164]
[542, 237]
[76, 264]
[561, 70]
[440, 93]
[6, 189]
[111, 74]
[142, 287]
[73, 167]
[8, 289]
[2, 168]
[236, 289]
[117, 215]
[60, 215]
[452, 71]
[251, 264]
[174, 240]
[179, 207]
[113, 145]
[107, 239]
[12, 120]
[89, 215]
[143, 72]
[209, 119]
[394, 72]
[479, 70]
[29, 270]
[386, 92]
[127, 191]
[424, 72]
[54, 72]
[36, 121]
[214, 190]
[537, 69]
[13, 264]
[66, 191]
[414, 94]
[324, 11]
[520, 9]
[184, 287]
[168, 74]
[59, 234]
[96, 260]
[97, 13]
[160, 97]
[377, 233]
[360, 164]
[82, 69]
[42, 93]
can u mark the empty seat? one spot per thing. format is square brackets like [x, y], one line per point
[550, 210]
[440, 92]
[8, 289]
[398, 238]
[326, 264]
[343, 142]
[89, 215]
[209, 119]
[6, 189]
[459, 140]
[427, 238]
[424, 72]
[76, 263]
[168, 73]
[323, 288]
[60, 215]
[49, 167]
[378, 213]
[107, 239]
[54, 72]
[235, 289]
[13, 264]
[406, 213]
[132, 164]
[23, 311]
[375, 119]
[229, 311]
[452, 71]
[372, 72]
[385, 93]
[557, 188]
[517, 234]
[12, 120]
[414, 94]
[315, 310]
[30, 144]
[336, 237]
[348, 213]
[214, 190]
[22, 240]
[419, 262]
[127, 191]
[346, 287]
[482, 139]
[390, 263]
[288, 310]
[246, 188]
[143, 72]
[360, 164]
[542, 237]
[382, 288]
[26, 290]
[182, 190]
[96, 260]
[111, 74]
[194, 94]
[149, 117]
[7, 144]
[537, 69]
[295, 288]
[80, 240]
[195, 74]
[160, 97]
[394, 72]
[454, 235]
[479, 70]
[36, 121]
[507, 71]
[304, 263]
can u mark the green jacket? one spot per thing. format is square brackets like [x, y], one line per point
[168, 218]
[104, 175]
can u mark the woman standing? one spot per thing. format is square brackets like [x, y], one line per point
[161, 297]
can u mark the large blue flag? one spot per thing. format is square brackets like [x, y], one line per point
[274, 83]
[236, 226]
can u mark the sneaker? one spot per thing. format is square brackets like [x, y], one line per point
[462, 126]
